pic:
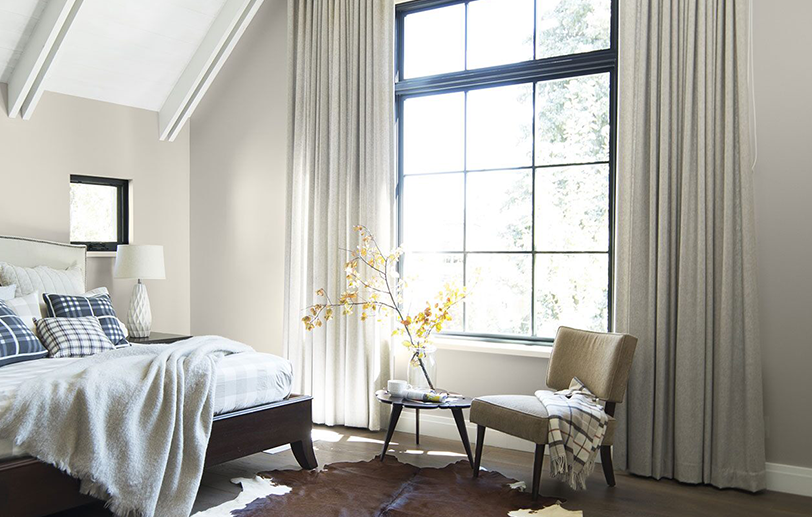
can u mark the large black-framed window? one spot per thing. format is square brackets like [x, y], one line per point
[99, 212]
[506, 113]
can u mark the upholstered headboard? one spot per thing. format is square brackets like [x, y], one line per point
[25, 252]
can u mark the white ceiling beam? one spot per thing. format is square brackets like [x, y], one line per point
[25, 86]
[210, 56]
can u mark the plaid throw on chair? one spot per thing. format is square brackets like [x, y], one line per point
[577, 425]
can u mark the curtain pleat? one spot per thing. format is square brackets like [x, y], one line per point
[341, 173]
[685, 250]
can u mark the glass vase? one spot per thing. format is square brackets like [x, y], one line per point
[423, 376]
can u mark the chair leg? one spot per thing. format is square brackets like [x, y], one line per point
[480, 441]
[606, 462]
[538, 463]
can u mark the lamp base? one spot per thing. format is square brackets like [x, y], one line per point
[139, 319]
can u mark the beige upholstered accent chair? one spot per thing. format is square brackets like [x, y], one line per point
[601, 361]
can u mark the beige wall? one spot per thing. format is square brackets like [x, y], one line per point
[476, 373]
[68, 135]
[238, 196]
[783, 75]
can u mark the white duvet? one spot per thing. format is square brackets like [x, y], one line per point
[243, 381]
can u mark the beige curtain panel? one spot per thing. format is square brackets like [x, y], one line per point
[341, 173]
[685, 252]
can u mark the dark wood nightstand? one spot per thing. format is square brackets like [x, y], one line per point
[157, 338]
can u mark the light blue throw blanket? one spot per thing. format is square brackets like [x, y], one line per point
[133, 424]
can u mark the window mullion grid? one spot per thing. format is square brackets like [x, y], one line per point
[465, 194]
[610, 324]
[533, 199]
[548, 69]
[535, 32]
[121, 211]
[509, 252]
[465, 179]
[465, 45]
[514, 168]
[401, 178]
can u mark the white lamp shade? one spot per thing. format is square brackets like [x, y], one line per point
[144, 261]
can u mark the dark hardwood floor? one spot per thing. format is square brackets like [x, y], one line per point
[633, 496]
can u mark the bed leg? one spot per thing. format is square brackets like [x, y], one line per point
[303, 451]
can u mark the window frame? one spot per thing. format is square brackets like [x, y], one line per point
[537, 70]
[122, 216]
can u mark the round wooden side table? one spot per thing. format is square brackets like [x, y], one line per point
[455, 404]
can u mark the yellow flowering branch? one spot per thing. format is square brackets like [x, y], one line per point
[366, 294]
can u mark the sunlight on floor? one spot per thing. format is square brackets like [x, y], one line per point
[447, 453]
[318, 435]
[416, 452]
[277, 450]
[325, 435]
[367, 440]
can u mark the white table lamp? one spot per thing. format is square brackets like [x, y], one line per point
[144, 262]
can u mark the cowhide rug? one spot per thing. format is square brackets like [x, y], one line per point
[389, 488]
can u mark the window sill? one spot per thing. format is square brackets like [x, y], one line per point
[493, 347]
[101, 254]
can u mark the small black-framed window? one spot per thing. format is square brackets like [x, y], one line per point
[99, 212]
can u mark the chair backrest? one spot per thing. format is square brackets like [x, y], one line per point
[601, 360]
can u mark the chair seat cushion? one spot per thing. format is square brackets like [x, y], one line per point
[523, 416]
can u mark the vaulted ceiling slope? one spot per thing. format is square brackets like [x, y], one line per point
[17, 21]
[159, 55]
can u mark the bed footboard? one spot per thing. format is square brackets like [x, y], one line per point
[30, 488]
[252, 430]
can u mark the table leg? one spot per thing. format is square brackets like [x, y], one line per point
[417, 426]
[460, 419]
[393, 422]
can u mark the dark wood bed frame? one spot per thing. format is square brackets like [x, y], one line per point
[30, 488]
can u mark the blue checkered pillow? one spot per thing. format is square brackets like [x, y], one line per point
[101, 307]
[17, 342]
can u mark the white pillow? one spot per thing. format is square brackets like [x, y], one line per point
[27, 308]
[43, 279]
[7, 292]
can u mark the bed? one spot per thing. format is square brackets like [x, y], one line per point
[254, 409]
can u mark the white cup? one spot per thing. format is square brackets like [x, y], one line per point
[396, 387]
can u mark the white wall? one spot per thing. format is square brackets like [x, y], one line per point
[68, 135]
[238, 189]
[783, 79]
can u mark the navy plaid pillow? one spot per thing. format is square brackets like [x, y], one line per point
[17, 342]
[73, 337]
[100, 307]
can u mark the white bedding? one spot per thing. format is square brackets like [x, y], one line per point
[243, 381]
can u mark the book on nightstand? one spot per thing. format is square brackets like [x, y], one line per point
[157, 338]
